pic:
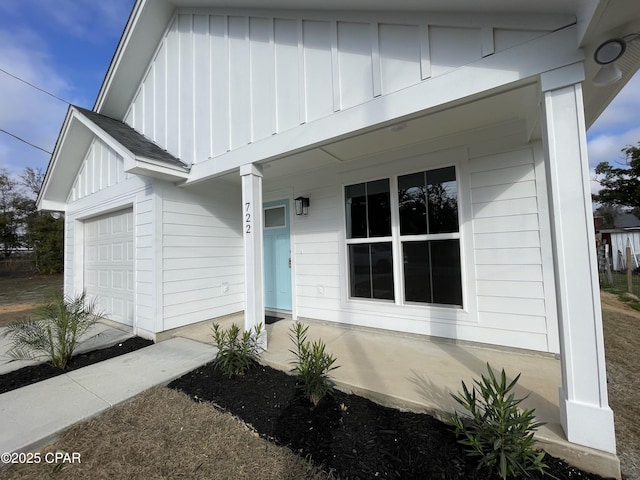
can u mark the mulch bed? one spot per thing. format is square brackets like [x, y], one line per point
[347, 435]
[35, 373]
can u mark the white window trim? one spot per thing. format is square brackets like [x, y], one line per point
[419, 311]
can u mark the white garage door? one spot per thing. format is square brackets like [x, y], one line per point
[108, 264]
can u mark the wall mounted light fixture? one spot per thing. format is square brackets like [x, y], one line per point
[607, 54]
[302, 206]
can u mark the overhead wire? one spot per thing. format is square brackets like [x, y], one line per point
[34, 86]
[24, 141]
[40, 90]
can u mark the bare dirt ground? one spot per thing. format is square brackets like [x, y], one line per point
[622, 349]
[20, 295]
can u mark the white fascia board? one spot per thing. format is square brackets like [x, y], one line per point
[51, 206]
[589, 13]
[73, 142]
[140, 40]
[117, 56]
[550, 52]
[151, 168]
[44, 190]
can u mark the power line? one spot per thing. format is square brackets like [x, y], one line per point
[39, 89]
[24, 141]
[34, 86]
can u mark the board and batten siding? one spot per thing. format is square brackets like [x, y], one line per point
[202, 255]
[509, 245]
[101, 168]
[220, 81]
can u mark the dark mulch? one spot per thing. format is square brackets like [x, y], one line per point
[35, 373]
[346, 434]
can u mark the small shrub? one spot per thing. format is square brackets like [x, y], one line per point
[55, 330]
[312, 364]
[498, 431]
[236, 350]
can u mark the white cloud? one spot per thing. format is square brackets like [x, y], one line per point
[623, 113]
[617, 127]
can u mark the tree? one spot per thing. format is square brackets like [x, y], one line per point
[609, 213]
[22, 226]
[620, 185]
[11, 214]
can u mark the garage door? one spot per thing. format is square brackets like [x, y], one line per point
[108, 264]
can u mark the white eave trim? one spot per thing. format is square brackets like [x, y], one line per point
[153, 168]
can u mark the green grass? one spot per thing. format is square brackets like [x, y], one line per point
[619, 288]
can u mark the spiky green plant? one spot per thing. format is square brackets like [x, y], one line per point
[236, 350]
[55, 331]
[498, 432]
[312, 364]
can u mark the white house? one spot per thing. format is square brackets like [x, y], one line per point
[441, 148]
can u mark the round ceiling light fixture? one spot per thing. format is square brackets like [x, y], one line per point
[610, 51]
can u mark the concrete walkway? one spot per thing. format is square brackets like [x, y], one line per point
[31, 416]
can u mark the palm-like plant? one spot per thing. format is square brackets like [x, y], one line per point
[55, 331]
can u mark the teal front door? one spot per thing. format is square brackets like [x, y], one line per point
[277, 256]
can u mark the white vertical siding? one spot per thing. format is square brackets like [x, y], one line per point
[202, 252]
[263, 86]
[101, 168]
[240, 82]
[355, 63]
[399, 56]
[287, 74]
[219, 82]
[453, 47]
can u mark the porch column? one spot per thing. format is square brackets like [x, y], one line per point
[585, 414]
[252, 233]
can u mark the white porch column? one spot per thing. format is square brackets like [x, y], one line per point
[253, 248]
[585, 414]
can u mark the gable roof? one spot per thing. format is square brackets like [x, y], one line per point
[132, 140]
[79, 129]
[627, 220]
[596, 21]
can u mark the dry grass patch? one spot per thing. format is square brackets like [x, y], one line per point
[622, 345]
[162, 434]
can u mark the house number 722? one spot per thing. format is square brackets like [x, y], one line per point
[247, 218]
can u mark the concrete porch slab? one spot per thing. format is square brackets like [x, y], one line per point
[419, 373]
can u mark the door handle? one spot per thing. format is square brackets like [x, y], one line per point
[289, 262]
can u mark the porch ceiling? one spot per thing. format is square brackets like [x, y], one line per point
[518, 104]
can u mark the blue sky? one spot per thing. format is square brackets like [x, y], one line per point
[65, 47]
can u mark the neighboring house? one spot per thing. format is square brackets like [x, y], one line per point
[441, 147]
[625, 233]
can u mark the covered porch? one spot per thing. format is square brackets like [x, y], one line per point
[418, 373]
